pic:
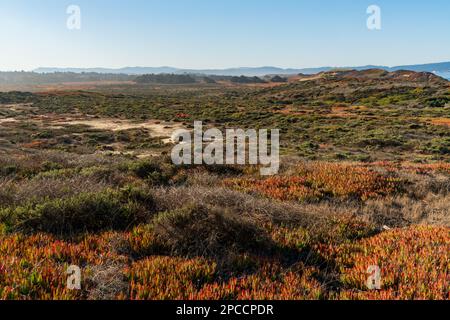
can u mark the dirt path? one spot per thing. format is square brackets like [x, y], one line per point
[8, 120]
[158, 129]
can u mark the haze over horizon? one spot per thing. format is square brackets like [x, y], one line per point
[202, 34]
[230, 67]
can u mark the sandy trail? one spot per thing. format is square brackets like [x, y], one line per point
[19, 107]
[158, 129]
[8, 120]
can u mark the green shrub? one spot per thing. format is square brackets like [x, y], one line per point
[48, 166]
[57, 173]
[44, 135]
[8, 170]
[439, 102]
[205, 231]
[86, 212]
[439, 146]
[156, 171]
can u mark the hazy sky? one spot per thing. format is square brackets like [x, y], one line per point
[222, 33]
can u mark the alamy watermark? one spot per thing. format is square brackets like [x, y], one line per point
[74, 20]
[236, 146]
[74, 278]
[374, 19]
[374, 279]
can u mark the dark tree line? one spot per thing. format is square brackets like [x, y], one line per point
[58, 77]
[247, 80]
[166, 79]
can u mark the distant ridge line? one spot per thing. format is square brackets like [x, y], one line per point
[442, 68]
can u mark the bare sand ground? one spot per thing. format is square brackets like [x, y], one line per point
[8, 120]
[157, 128]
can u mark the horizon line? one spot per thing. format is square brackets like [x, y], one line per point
[226, 68]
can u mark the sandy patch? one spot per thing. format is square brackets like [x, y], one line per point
[7, 120]
[158, 129]
[17, 107]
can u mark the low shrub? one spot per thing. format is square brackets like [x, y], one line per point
[85, 212]
[195, 230]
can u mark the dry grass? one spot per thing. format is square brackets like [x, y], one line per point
[433, 209]
[196, 230]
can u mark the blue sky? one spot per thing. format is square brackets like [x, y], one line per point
[222, 33]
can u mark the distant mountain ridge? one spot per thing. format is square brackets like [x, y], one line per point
[246, 71]
[441, 69]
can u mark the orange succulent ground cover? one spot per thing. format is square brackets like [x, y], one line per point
[321, 180]
[34, 267]
[189, 280]
[441, 122]
[298, 264]
[414, 264]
